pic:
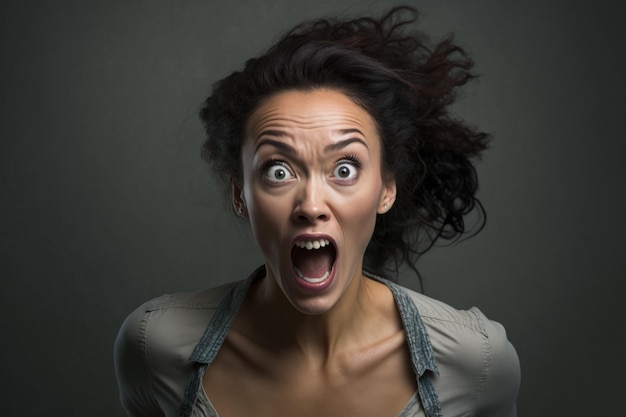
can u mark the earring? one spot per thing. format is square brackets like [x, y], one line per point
[385, 206]
[240, 210]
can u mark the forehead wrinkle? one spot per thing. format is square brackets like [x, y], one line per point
[287, 120]
[281, 128]
[289, 143]
[280, 117]
[288, 149]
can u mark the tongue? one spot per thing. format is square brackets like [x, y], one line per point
[313, 263]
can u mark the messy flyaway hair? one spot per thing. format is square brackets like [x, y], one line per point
[407, 85]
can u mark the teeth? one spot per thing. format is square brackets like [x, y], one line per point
[312, 244]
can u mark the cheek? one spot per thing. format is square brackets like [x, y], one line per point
[360, 216]
[267, 220]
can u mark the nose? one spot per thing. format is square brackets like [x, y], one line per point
[310, 205]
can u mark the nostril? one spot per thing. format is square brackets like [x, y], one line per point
[306, 217]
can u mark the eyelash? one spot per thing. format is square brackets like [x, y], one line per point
[352, 159]
[271, 162]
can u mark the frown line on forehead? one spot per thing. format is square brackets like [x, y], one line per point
[311, 120]
[287, 148]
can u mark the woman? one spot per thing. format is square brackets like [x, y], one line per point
[337, 147]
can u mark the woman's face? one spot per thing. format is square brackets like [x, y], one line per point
[312, 186]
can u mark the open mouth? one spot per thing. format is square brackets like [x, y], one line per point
[313, 259]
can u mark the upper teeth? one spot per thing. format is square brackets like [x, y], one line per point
[312, 244]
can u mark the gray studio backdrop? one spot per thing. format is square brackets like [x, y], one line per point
[105, 202]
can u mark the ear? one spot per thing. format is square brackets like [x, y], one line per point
[239, 201]
[388, 196]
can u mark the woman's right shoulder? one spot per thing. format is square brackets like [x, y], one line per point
[167, 311]
[154, 343]
[205, 299]
[171, 316]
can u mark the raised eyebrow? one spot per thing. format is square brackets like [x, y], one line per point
[284, 147]
[344, 143]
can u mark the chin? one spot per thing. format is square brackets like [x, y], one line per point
[313, 299]
[315, 307]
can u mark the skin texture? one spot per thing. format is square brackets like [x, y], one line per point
[311, 169]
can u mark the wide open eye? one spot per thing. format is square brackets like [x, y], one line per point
[277, 172]
[346, 170]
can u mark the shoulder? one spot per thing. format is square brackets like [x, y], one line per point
[172, 320]
[154, 344]
[476, 361]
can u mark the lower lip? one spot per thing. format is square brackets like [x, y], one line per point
[315, 286]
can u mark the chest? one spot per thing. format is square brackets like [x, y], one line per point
[376, 381]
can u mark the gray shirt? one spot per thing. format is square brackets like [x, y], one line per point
[463, 362]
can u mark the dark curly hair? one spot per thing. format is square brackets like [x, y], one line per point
[407, 84]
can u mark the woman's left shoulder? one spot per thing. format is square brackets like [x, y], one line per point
[473, 353]
[441, 317]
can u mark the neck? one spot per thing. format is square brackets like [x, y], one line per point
[345, 324]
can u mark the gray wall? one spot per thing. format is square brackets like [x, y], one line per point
[105, 202]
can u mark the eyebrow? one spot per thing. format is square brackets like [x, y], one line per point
[328, 148]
